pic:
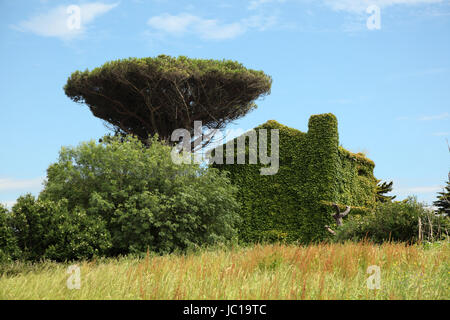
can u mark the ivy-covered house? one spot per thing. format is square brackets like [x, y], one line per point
[295, 203]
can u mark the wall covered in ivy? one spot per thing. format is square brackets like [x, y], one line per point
[294, 204]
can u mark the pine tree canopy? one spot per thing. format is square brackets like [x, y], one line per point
[443, 202]
[383, 189]
[145, 96]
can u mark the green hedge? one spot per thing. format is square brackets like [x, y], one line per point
[46, 229]
[313, 171]
[9, 250]
[396, 221]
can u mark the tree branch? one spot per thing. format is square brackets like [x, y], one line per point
[338, 216]
[330, 230]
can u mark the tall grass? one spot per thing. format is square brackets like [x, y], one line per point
[324, 271]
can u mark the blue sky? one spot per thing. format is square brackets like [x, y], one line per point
[388, 86]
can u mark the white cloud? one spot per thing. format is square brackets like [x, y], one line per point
[186, 23]
[7, 184]
[441, 134]
[416, 190]
[441, 116]
[209, 29]
[360, 6]
[260, 22]
[54, 23]
[172, 24]
[254, 4]
[354, 6]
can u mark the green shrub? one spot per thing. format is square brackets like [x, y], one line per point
[9, 249]
[145, 200]
[49, 230]
[395, 221]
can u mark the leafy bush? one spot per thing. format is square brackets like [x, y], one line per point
[396, 221]
[145, 200]
[49, 230]
[8, 243]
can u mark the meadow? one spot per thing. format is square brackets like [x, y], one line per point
[321, 271]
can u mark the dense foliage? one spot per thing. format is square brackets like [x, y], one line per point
[443, 201]
[9, 249]
[49, 230]
[313, 169]
[120, 196]
[158, 95]
[144, 200]
[357, 186]
[405, 221]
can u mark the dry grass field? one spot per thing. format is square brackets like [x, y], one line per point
[323, 271]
